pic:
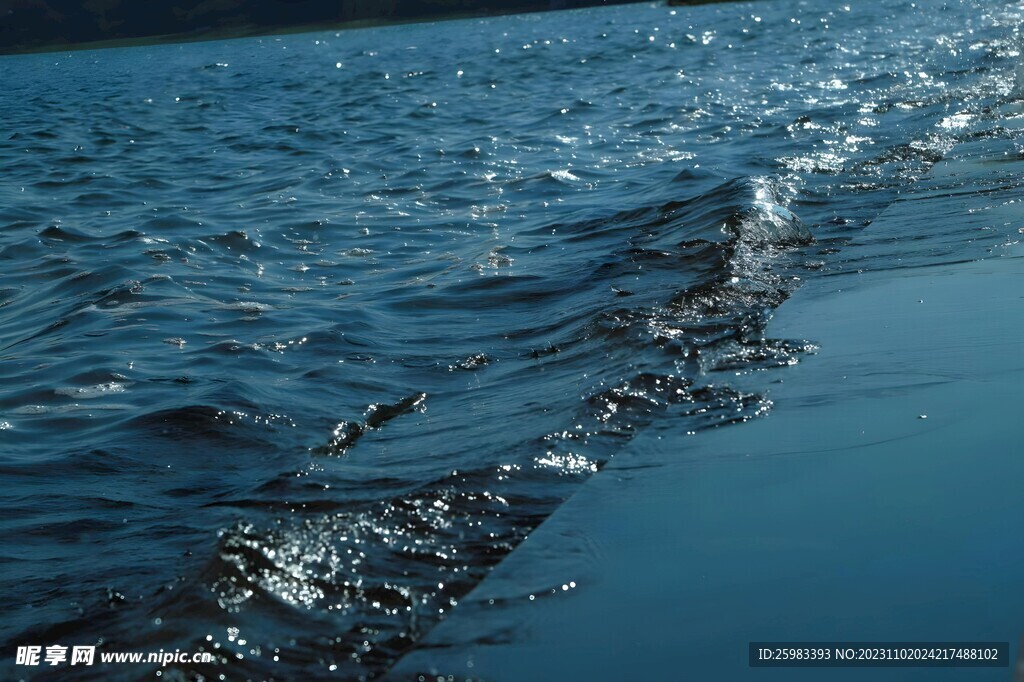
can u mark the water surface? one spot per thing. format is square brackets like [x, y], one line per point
[300, 336]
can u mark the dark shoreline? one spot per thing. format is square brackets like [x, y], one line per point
[253, 31]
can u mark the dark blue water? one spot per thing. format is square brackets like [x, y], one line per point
[300, 336]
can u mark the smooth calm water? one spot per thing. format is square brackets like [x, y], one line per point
[300, 336]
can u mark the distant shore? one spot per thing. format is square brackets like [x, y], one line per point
[256, 30]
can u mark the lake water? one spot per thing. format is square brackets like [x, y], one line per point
[301, 335]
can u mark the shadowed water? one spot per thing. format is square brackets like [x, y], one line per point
[300, 336]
